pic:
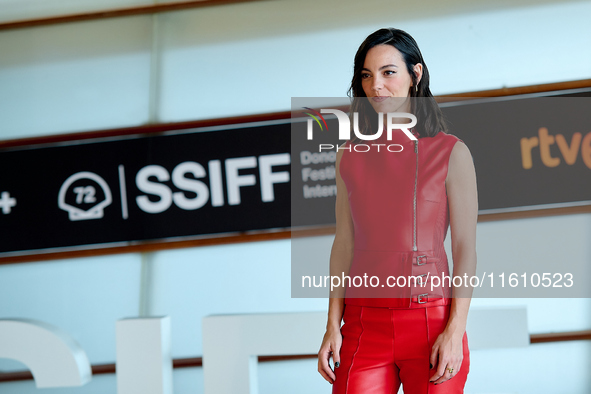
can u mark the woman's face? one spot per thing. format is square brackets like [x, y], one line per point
[384, 75]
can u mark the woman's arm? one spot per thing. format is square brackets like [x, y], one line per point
[462, 196]
[340, 262]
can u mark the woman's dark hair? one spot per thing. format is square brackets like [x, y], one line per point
[429, 116]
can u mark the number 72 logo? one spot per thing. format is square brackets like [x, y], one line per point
[84, 196]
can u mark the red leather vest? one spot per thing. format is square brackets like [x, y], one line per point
[400, 213]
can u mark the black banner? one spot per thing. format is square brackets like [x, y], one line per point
[528, 152]
[145, 188]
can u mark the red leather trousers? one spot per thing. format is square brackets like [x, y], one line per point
[383, 348]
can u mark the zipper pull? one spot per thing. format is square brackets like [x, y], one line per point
[416, 146]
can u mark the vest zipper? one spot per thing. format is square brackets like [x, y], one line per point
[414, 201]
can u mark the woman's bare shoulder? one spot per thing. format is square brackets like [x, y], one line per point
[461, 163]
[460, 152]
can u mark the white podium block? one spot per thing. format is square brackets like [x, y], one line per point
[54, 358]
[144, 362]
[232, 343]
[497, 327]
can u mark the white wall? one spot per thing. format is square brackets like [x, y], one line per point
[252, 58]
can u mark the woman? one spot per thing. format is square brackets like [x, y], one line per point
[393, 208]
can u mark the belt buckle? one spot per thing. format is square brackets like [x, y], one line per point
[419, 259]
[421, 282]
[421, 298]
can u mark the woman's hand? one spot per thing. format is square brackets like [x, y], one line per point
[447, 355]
[331, 345]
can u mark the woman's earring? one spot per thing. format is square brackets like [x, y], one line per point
[417, 88]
